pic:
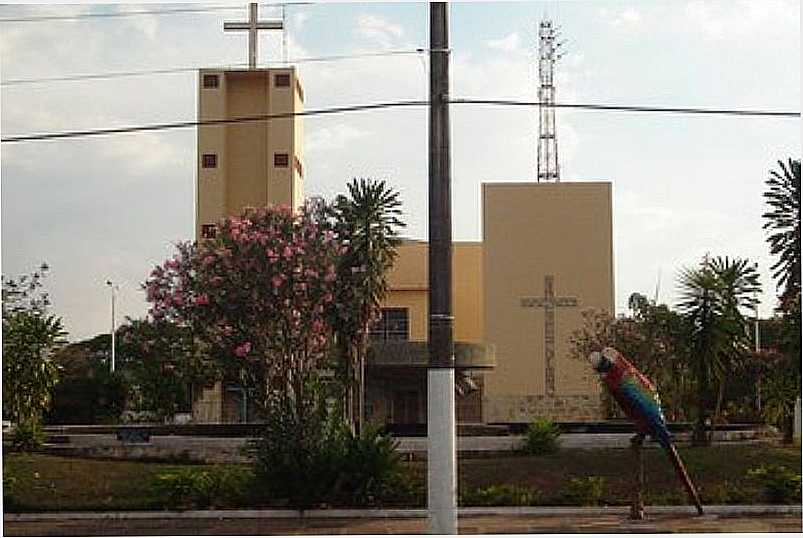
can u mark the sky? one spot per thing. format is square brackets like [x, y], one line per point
[112, 207]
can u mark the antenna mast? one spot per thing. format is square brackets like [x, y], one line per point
[547, 164]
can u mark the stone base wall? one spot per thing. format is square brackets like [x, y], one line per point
[526, 408]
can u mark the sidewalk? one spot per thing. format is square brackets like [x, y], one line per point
[472, 521]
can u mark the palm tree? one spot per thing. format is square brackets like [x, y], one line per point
[712, 297]
[368, 221]
[783, 219]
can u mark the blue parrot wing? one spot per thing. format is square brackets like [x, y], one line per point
[642, 404]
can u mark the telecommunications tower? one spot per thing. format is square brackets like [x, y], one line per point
[548, 168]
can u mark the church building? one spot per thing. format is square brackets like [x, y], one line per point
[546, 254]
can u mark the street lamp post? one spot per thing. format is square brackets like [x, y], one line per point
[757, 344]
[114, 288]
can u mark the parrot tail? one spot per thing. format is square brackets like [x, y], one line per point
[684, 477]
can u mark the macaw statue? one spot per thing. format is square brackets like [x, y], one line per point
[639, 400]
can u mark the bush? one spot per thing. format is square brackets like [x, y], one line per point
[198, 488]
[780, 484]
[501, 495]
[586, 491]
[308, 457]
[27, 436]
[541, 437]
[728, 492]
[9, 487]
[95, 399]
[368, 465]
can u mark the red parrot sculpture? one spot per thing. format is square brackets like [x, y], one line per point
[638, 398]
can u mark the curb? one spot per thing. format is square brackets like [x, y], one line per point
[714, 510]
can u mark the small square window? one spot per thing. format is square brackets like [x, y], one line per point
[281, 160]
[208, 231]
[209, 160]
[211, 81]
[281, 81]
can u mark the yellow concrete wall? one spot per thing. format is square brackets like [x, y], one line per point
[247, 161]
[531, 230]
[408, 288]
[298, 141]
[210, 189]
[245, 175]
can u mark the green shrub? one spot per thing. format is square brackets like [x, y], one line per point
[198, 488]
[728, 492]
[586, 491]
[779, 483]
[308, 457]
[27, 436]
[501, 495]
[541, 437]
[9, 487]
[368, 464]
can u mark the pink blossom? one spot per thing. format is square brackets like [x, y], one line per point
[276, 281]
[288, 253]
[202, 299]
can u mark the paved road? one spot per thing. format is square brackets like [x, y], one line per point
[470, 524]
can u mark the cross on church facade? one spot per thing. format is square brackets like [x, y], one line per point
[252, 26]
[549, 303]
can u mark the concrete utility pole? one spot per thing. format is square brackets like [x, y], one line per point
[441, 455]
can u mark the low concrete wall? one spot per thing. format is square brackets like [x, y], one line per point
[230, 449]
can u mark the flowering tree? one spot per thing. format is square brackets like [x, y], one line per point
[256, 295]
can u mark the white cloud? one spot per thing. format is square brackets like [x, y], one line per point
[378, 30]
[335, 137]
[745, 18]
[628, 17]
[299, 19]
[509, 43]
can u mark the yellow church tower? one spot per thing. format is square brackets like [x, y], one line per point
[254, 156]
[248, 160]
[250, 154]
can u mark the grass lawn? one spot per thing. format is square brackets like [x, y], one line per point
[48, 483]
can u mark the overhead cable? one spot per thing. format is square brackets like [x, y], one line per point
[172, 11]
[395, 104]
[95, 76]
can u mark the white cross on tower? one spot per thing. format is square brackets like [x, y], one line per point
[252, 26]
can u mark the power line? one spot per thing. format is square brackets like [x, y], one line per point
[185, 124]
[385, 105]
[633, 108]
[207, 9]
[96, 76]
